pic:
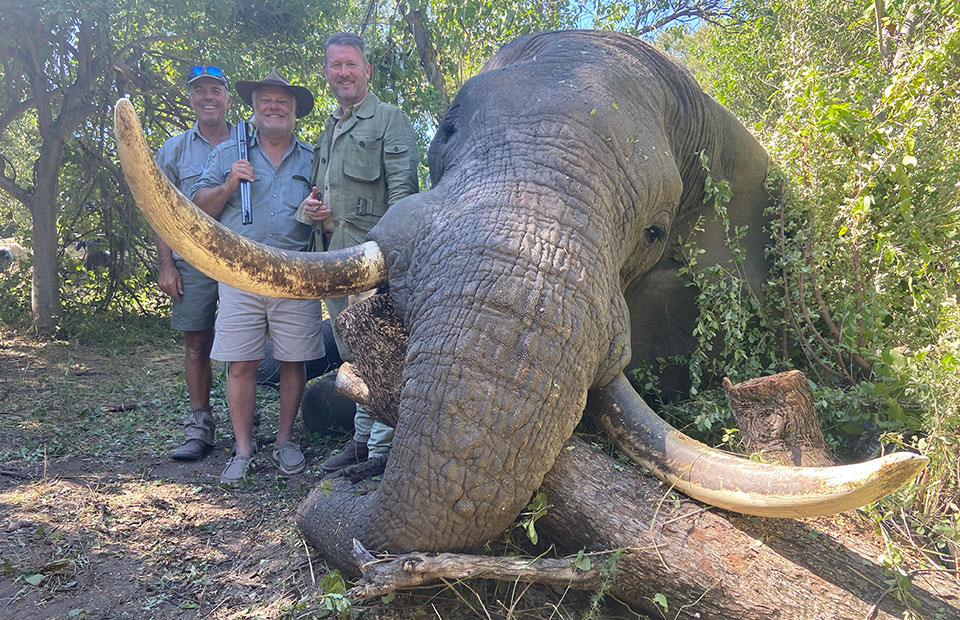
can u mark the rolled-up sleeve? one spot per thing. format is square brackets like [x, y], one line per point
[213, 174]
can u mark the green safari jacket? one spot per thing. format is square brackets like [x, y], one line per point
[362, 169]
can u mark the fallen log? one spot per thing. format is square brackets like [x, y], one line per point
[718, 564]
[384, 575]
[705, 563]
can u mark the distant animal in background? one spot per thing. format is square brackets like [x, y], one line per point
[94, 254]
[11, 253]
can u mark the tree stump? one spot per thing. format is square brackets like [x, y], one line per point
[777, 417]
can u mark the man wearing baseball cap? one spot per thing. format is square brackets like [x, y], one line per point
[193, 294]
[276, 168]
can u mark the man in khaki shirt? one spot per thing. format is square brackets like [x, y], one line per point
[365, 160]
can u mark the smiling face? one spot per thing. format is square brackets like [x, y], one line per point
[276, 111]
[347, 73]
[209, 100]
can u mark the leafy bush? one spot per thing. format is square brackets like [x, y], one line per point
[860, 116]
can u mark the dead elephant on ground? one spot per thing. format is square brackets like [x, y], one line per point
[539, 266]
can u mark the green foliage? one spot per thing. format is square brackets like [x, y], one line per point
[535, 509]
[728, 307]
[861, 122]
[334, 602]
[734, 336]
[609, 570]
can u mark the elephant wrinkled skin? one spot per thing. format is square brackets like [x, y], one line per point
[538, 266]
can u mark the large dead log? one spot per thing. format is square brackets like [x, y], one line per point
[720, 565]
[705, 563]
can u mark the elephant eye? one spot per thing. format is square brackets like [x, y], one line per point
[655, 233]
[447, 130]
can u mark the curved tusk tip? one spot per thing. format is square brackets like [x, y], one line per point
[903, 466]
[917, 460]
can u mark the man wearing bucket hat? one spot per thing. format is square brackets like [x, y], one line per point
[276, 167]
[366, 160]
[194, 295]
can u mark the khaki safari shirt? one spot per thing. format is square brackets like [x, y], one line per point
[275, 193]
[365, 160]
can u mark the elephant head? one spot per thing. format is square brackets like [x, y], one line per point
[538, 265]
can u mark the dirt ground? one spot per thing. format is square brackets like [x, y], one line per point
[96, 521]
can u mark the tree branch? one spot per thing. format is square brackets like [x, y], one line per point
[9, 184]
[416, 569]
[428, 56]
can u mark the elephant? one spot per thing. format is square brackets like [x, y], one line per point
[539, 266]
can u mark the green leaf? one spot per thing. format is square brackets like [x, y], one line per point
[34, 580]
[593, 111]
[532, 531]
[660, 600]
[582, 561]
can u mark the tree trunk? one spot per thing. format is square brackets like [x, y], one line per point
[428, 57]
[45, 289]
[721, 565]
[777, 418]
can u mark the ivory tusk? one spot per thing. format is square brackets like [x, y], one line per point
[226, 256]
[735, 483]
[350, 385]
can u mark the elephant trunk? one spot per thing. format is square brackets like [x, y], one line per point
[501, 354]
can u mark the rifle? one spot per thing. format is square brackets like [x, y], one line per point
[246, 211]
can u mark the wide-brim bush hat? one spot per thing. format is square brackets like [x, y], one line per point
[303, 95]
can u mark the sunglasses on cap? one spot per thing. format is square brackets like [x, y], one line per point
[197, 71]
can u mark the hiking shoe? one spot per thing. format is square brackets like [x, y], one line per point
[191, 450]
[199, 430]
[288, 458]
[372, 467]
[237, 470]
[352, 453]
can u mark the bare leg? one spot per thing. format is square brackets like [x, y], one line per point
[292, 377]
[196, 366]
[242, 396]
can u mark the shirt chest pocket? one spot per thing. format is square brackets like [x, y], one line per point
[361, 161]
[188, 173]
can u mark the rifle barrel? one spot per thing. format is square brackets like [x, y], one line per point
[246, 210]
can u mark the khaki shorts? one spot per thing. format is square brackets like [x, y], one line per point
[245, 318]
[197, 309]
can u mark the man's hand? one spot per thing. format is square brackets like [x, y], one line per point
[169, 281]
[315, 210]
[240, 170]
